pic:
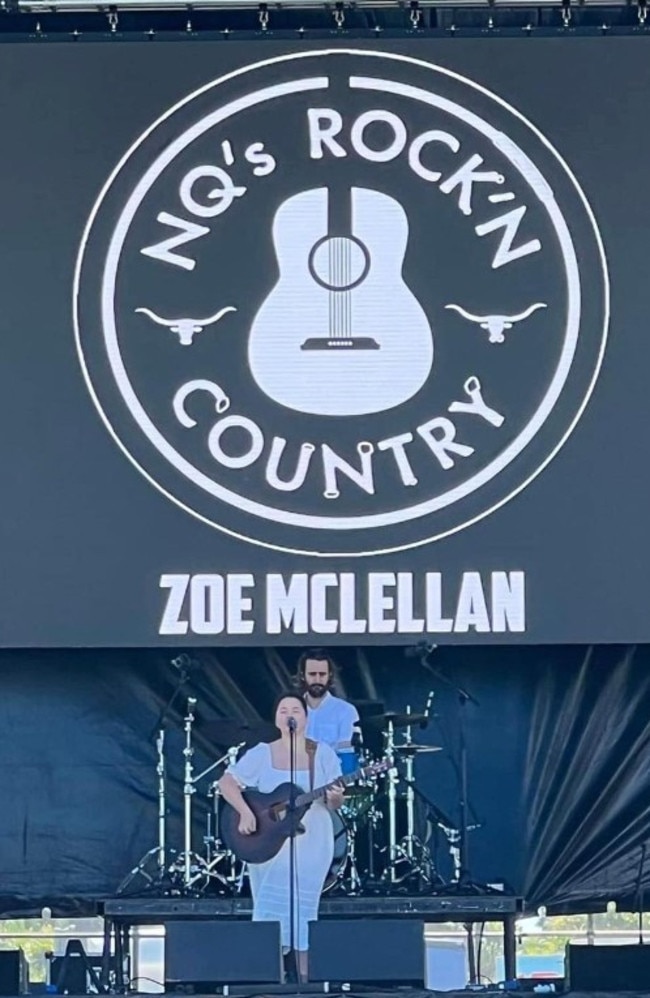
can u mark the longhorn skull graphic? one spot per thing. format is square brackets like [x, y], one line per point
[496, 325]
[186, 328]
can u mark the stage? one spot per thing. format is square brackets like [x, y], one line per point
[123, 914]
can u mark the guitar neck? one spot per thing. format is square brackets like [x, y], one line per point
[339, 212]
[341, 781]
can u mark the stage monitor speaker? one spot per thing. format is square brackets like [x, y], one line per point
[607, 968]
[14, 976]
[367, 951]
[206, 954]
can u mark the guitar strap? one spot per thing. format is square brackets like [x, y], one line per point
[311, 747]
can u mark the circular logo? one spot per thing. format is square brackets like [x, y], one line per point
[341, 302]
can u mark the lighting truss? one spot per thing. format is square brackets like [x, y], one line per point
[43, 6]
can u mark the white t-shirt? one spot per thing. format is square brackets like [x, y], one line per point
[332, 721]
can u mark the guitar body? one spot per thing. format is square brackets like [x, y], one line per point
[272, 830]
[340, 334]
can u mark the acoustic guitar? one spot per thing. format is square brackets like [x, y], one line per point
[275, 823]
[340, 333]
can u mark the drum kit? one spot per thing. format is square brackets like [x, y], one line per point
[381, 843]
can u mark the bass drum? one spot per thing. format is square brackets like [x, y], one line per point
[341, 836]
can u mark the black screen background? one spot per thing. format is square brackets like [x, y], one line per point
[84, 537]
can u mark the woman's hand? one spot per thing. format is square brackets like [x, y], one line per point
[247, 822]
[334, 797]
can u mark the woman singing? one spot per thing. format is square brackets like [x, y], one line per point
[264, 768]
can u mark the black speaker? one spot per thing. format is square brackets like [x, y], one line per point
[207, 954]
[14, 972]
[607, 968]
[367, 951]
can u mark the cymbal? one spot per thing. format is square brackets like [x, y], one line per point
[369, 708]
[412, 749]
[399, 720]
[228, 732]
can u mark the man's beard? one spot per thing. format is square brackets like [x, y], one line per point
[317, 690]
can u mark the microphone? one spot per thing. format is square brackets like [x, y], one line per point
[184, 662]
[291, 724]
[419, 650]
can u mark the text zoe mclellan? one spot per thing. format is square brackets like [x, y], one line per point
[343, 603]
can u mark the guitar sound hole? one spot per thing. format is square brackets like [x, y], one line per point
[339, 263]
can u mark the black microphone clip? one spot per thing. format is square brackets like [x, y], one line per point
[420, 650]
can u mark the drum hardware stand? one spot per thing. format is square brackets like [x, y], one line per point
[162, 802]
[374, 819]
[211, 839]
[450, 832]
[409, 851]
[392, 779]
[405, 850]
[215, 851]
[348, 878]
[183, 663]
[191, 866]
[188, 790]
[187, 862]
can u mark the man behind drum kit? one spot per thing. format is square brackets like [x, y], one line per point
[331, 719]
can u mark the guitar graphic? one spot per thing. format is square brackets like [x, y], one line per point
[340, 334]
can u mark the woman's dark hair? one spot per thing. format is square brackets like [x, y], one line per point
[289, 695]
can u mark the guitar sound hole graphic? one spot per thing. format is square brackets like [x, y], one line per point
[341, 333]
[339, 264]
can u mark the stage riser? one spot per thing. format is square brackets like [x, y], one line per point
[447, 968]
[453, 908]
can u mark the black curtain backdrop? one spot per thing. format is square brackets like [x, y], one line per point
[558, 750]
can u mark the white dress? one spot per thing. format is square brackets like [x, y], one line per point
[314, 849]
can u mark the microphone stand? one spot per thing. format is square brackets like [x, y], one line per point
[292, 851]
[462, 877]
